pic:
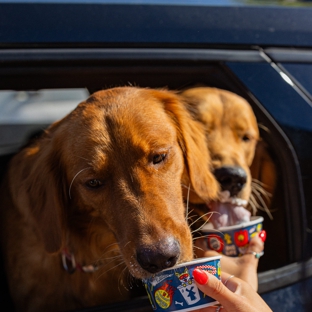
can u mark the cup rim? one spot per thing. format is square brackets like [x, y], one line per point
[253, 220]
[195, 261]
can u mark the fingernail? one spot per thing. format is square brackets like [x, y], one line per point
[263, 235]
[200, 276]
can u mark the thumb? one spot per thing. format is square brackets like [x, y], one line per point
[214, 288]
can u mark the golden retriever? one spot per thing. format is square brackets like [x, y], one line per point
[99, 195]
[232, 134]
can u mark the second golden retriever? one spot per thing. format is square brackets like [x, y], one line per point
[232, 134]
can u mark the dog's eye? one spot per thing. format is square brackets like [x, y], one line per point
[158, 158]
[246, 138]
[94, 183]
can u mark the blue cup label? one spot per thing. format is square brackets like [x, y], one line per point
[232, 243]
[175, 290]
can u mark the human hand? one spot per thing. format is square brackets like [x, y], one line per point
[244, 267]
[234, 294]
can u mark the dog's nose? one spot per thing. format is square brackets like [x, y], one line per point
[159, 256]
[231, 178]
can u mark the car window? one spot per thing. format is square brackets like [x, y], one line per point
[41, 106]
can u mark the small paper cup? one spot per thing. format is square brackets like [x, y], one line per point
[174, 289]
[232, 240]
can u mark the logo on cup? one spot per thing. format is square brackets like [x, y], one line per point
[164, 295]
[190, 293]
[215, 243]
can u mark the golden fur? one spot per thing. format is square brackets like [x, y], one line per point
[105, 184]
[231, 130]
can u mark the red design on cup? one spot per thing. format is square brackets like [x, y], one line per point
[241, 238]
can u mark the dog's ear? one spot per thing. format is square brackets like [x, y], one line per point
[193, 143]
[42, 190]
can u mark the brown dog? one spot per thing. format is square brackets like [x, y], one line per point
[232, 134]
[101, 191]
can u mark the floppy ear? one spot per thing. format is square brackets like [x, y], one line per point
[42, 190]
[193, 143]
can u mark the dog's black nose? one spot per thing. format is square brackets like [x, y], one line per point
[231, 178]
[159, 256]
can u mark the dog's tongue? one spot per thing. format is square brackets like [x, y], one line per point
[228, 211]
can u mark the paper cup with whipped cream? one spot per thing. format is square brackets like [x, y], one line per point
[232, 240]
[174, 289]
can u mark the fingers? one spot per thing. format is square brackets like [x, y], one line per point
[214, 288]
[229, 281]
[248, 263]
[256, 244]
[236, 295]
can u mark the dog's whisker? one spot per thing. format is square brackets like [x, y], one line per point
[266, 129]
[260, 184]
[206, 235]
[110, 245]
[261, 198]
[253, 203]
[187, 201]
[199, 248]
[254, 180]
[107, 260]
[187, 187]
[190, 211]
[259, 193]
[261, 190]
[199, 228]
[112, 268]
[127, 279]
[115, 250]
[127, 244]
[71, 183]
[132, 281]
[102, 264]
[83, 158]
[103, 258]
[112, 258]
[263, 205]
[191, 217]
[260, 206]
[121, 280]
[202, 216]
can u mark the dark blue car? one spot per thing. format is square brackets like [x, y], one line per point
[54, 53]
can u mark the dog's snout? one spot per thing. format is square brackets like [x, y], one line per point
[231, 178]
[159, 256]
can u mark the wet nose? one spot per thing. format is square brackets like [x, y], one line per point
[159, 256]
[231, 178]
